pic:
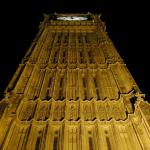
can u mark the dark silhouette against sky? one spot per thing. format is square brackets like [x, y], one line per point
[126, 24]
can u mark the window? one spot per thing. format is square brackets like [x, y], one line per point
[37, 146]
[85, 88]
[96, 88]
[91, 59]
[55, 57]
[90, 143]
[50, 82]
[97, 93]
[72, 39]
[81, 57]
[49, 88]
[64, 57]
[59, 38]
[86, 39]
[66, 38]
[47, 94]
[60, 94]
[61, 82]
[108, 143]
[80, 38]
[53, 38]
[95, 82]
[84, 82]
[55, 143]
[107, 140]
[61, 86]
[85, 94]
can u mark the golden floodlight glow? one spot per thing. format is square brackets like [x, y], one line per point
[73, 91]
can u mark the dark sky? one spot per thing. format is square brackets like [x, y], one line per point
[126, 22]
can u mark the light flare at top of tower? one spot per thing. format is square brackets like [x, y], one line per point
[72, 18]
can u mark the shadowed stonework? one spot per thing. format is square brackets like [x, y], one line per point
[72, 91]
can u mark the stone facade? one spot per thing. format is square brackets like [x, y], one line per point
[72, 91]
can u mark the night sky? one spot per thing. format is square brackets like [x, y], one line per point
[126, 23]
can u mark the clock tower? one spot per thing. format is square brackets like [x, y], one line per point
[73, 91]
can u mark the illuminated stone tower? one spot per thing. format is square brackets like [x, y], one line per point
[72, 91]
